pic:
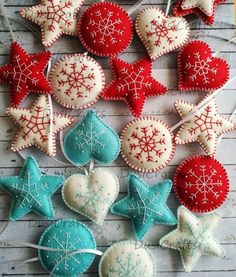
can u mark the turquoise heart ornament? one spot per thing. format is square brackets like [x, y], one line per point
[91, 139]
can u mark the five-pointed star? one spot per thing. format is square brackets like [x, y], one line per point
[31, 190]
[205, 127]
[133, 84]
[205, 6]
[193, 237]
[24, 73]
[37, 127]
[145, 205]
[55, 17]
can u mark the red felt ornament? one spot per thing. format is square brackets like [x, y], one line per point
[25, 73]
[199, 70]
[133, 84]
[201, 183]
[105, 29]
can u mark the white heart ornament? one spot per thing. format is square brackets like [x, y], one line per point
[91, 195]
[159, 33]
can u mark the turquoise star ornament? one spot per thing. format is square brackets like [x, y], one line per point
[145, 205]
[31, 190]
[193, 237]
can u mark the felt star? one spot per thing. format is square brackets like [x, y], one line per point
[24, 73]
[145, 205]
[193, 237]
[205, 127]
[133, 84]
[31, 190]
[55, 17]
[37, 127]
[204, 8]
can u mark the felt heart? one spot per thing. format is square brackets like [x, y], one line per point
[199, 70]
[91, 195]
[159, 33]
[91, 139]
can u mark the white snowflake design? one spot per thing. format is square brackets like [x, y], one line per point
[201, 68]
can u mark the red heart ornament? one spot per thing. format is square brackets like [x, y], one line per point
[199, 70]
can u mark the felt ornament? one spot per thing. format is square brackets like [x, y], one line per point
[203, 8]
[55, 18]
[133, 83]
[146, 144]
[69, 236]
[129, 259]
[145, 205]
[91, 195]
[205, 127]
[37, 127]
[193, 237]
[201, 183]
[105, 29]
[77, 81]
[160, 33]
[199, 70]
[31, 191]
[24, 73]
[91, 139]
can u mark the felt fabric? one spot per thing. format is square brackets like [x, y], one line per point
[105, 29]
[159, 33]
[55, 18]
[193, 237]
[91, 139]
[36, 127]
[91, 195]
[201, 183]
[24, 73]
[199, 70]
[133, 84]
[66, 235]
[145, 205]
[147, 144]
[205, 127]
[31, 191]
[129, 259]
[77, 80]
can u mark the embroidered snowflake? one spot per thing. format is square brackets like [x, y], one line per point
[162, 30]
[133, 82]
[147, 144]
[201, 69]
[77, 78]
[205, 124]
[204, 184]
[107, 27]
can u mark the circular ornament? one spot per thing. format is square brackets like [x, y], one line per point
[129, 259]
[66, 235]
[105, 29]
[147, 144]
[201, 183]
[77, 81]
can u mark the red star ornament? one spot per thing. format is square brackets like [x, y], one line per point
[105, 29]
[201, 183]
[37, 127]
[133, 84]
[199, 70]
[24, 73]
[203, 8]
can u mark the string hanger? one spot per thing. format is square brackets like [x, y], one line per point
[6, 19]
[139, 3]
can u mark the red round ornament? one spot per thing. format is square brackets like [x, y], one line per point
[201, 183]
[105, 29]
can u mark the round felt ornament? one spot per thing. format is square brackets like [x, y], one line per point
[66, 235]
[105, 29]
[77, 81]
[129, 259]
[201, 183]
[146, 144]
